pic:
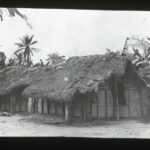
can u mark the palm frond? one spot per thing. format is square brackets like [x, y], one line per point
[30, 39]
[22, 39]
[18, 50]
[31, 52]
[34, 42]
[35, 49]
[20, 44]
[13, 11]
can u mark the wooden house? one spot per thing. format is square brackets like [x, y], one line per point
[93, 87]
[88, 88]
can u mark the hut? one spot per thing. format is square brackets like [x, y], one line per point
[90, 87]
[13, 80]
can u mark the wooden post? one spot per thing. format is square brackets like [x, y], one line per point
[34, 105]
[106, 104]
[48, 105]
[82, 109]
[63, 108]
[42, 106]
[36, 108]
[97, 98]
[90, 109]
[55, 105]
[12, 104]
[26, 100]
[85, 109]
[141, 97]
[5, 104]
[20, 103]
[129, 110]
[73, 111]
[67, 113]
[117, 103]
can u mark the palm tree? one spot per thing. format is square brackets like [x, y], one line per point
[25, 47]
[19, 58]
[11, 62]
[12, 12]
[54, 58]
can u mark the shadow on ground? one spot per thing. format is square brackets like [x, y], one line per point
[145, 119]
[59, 121]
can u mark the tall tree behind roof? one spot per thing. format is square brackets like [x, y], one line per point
[25, 47]
[141, 50]
[55, 58]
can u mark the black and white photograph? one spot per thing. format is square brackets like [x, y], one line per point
[74, 73]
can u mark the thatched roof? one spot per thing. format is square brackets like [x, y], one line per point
[60, 82]
[15, 77]
[82, 74]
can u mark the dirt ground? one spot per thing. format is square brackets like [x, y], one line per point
[21, 125]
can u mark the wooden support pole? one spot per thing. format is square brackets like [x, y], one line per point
[63, 108]
[48, 106]
[117, 103]
[34, 101]
[129, 103]
[67, 113]
[55, 105]
[42, 105]
[90, 109]
[12, 104]
[5, 104]
[36, 105]
[84, 109]
[141, 97]
[73, 111]
[97, 98]
[26, 104]
[20, 103]
[106, 105]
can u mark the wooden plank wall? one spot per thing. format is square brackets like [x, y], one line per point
[102, 105]
[77, 108]
[146, 102]
[132, 109]
[36, 106]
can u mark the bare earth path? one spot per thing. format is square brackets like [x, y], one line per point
[17, 126]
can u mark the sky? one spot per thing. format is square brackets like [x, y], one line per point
[73, 32]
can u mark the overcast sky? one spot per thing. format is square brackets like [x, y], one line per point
[73, 32]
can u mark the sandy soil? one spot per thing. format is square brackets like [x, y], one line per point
[20, 125]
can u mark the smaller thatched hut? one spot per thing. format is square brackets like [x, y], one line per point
[13, 80]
